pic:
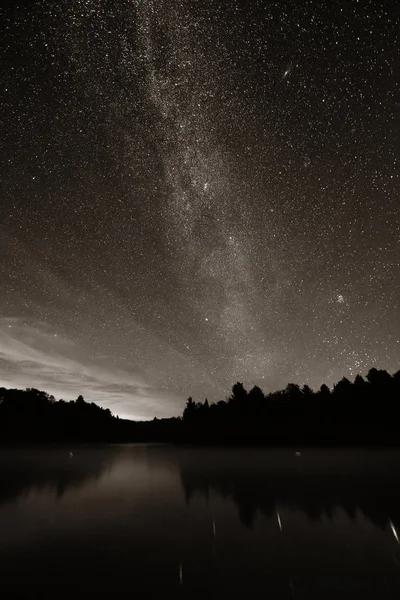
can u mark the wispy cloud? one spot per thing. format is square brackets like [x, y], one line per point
[34, 356]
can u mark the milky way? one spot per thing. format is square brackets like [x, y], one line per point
[195, 193]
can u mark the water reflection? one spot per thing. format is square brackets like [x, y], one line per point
[164, 521]
[57, 469]
[317, 484]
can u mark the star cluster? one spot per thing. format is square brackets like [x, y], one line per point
[201, 192]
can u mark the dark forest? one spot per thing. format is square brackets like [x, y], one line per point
[365, 411]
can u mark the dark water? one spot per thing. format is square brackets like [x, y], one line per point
[162, 522]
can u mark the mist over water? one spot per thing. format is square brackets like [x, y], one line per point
[199, 522]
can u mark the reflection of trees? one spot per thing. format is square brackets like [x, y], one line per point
[22, 471]
[374, 489]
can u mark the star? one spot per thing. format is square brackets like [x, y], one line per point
[196, 194]
[287, 71]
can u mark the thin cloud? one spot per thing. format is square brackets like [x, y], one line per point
[36, 357]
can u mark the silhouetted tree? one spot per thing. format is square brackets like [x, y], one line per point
[324, 391]
[367, 410]
[238, 395]
[189, 413]
[379, 377]
[307, 391]
[256, 394]
[256, 400]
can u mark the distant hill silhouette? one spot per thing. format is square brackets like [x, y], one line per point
[365, 411]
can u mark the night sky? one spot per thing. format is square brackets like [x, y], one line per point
[197, 192]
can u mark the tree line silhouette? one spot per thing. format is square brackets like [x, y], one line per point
[364, 411]
[34, 416]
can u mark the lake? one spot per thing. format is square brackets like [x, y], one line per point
[166, 522]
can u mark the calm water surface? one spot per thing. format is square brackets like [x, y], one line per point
[158, 521]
